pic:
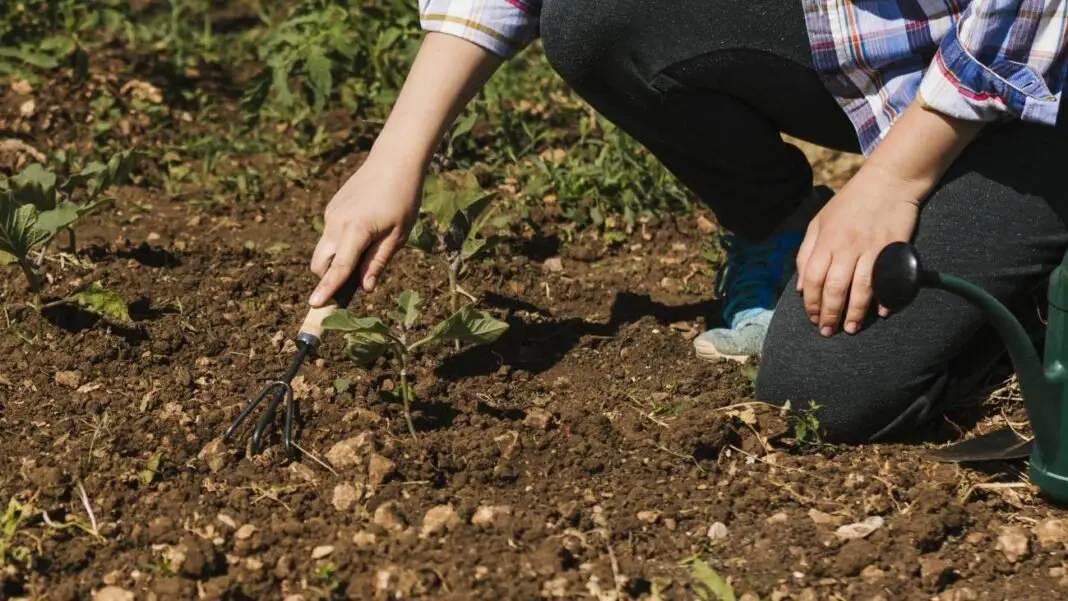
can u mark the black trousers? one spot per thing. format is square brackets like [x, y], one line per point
[709, 87]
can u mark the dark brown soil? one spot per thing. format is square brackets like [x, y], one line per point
[583, 455]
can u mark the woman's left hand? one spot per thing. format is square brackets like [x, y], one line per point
[836, 258]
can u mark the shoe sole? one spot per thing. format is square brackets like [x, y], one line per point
[708, 352]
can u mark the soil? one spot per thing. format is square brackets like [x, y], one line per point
[585, 454]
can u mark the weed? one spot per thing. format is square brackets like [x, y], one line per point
[369, 338]
[711, 586]
[10, 522]
[807, 431]
[325, 576]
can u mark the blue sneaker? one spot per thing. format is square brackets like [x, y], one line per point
[748, 284]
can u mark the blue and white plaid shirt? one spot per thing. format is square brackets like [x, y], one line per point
[987, 60]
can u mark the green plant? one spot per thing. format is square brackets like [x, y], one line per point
[458, 209]
[806, 424]
[13, 518]
[369, 338]
[326, 576]
[711, 586]
[36, 204]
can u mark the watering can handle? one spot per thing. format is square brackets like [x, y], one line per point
[313, 322]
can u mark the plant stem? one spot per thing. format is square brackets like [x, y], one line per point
[405, 397]
[454, 268]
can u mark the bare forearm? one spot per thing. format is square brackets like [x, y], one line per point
[446, 74]
[919, 148]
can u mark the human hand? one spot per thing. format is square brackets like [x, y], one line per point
[837, 256]
[366, 222]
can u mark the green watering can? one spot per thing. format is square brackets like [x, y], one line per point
[898, 277]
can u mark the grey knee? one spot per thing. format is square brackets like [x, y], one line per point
[588, 44]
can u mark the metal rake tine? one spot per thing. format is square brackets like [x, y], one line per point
[268, 416]
[249, 408]
[291, 413]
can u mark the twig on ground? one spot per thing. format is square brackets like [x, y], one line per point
[317, 460]
[88, 506]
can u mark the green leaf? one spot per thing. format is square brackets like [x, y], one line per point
[341, 385]
[58, 218]
[446, 193]
[35, 185]
[421, 239]
[465, 124]
[7, 258]
[103, 302]
[368, 338]
[470, 326]
[18, 228]
[255, 96]
[713, 583]
[147, 475]
[319, 77]
[407, 308]
[472, 246]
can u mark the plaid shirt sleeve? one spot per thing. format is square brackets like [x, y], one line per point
[1001, 59]
[503, 27]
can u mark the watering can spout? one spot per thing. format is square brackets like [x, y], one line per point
[897, 279]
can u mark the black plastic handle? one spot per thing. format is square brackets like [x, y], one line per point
[347, 291]
[897, 276]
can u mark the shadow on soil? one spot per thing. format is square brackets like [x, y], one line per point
[537, 347]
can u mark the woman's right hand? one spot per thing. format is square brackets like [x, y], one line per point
[366, 222]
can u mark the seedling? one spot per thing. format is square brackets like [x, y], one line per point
[35, 206]
[369, 338]
[458, 209]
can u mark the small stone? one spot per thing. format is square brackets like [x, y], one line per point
[670, 524]
[1013, 542]
[214, 455]
[380, 468]
[718, 531]
[70, 379]
[439, 520]
[113, 593]
[860, 529]
[302, 473]
[152, 238]
[245, 532]
[284, 567]
[959, 594]
[21, 86]
[778, 518]
[28, 109]
[1052, 533]
[649, 517]
[225, 519]
[554, 265]
[322, 551]
[345, 496]
[705, 226]
[670, 284]
[351, 451]
[253, 565]
[489, 515]
[823, 519]
[389, 518]
[364, 540]
[872, 573]
[538, 419]
[507, 443]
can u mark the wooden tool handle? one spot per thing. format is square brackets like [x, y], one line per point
[313, 323]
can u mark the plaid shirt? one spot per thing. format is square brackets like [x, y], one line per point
[982, 60]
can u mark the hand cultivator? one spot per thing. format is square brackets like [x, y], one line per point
[898, 278]
[307, 339]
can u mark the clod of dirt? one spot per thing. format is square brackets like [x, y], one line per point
[1052, 533]
[201, 559]
[380, 468]
[860, 529]
[322, 551]
[214, 455]
[302, 473]
[345, 496]
[245, 532]
[823, 519]
[439, 520]
[554, 264]
[718, 531]
[854, 556]
[1014, 543]
[387, 516]
[113, 593]
[364, 540]
[935, 572]
[162, 529]
[872, 574]
[50, 481]
[491, 515]
[778, 518]
[70, 379]
[350, 452]
[227, 521]
[538, 419]
[649, 517]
